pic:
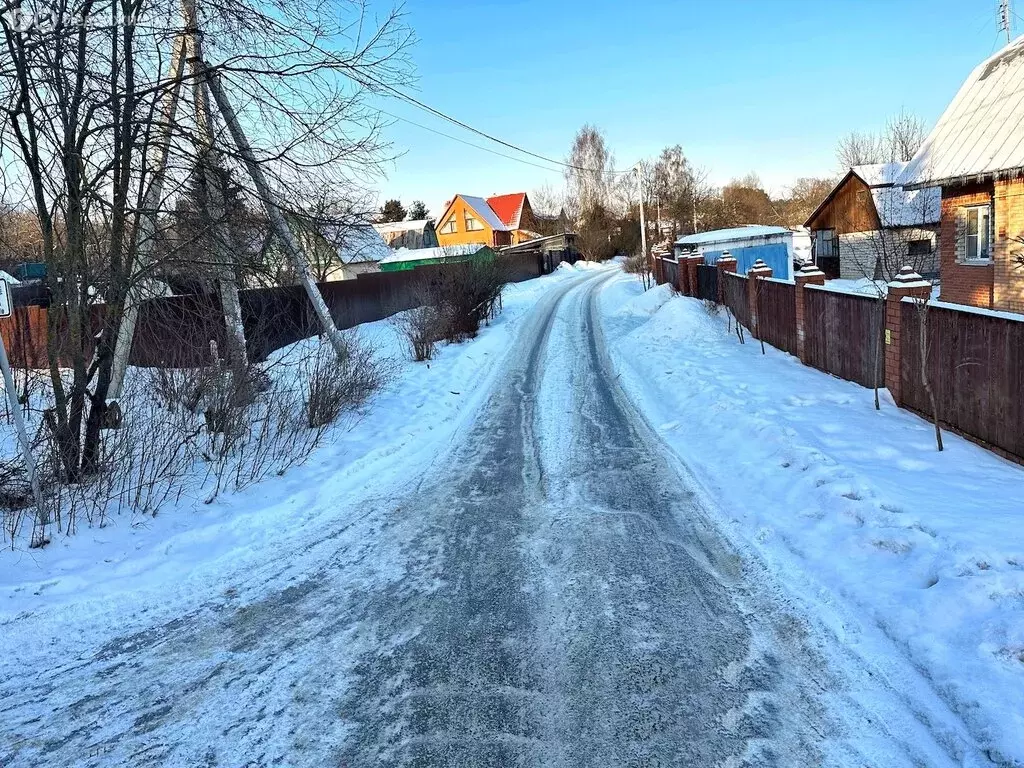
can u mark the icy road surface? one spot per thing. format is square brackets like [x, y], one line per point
[550, 592]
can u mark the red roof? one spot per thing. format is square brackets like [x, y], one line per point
[508, 207]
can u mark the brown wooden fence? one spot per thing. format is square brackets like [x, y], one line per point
[776, 313]
[976, 370]
[176, 331]
[844, 334]
[734, 293]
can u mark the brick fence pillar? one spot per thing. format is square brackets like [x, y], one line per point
[758, 271]
[725, 263]
[809, 275]
[691, 263]
[907, 283]
[683, 283]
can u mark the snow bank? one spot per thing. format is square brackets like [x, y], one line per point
[646, 303]
[193, 549]
[903, 549]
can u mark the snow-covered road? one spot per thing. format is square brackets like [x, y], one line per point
[550, 591]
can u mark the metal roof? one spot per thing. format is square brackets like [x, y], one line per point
[484, 210]
[734, 233]
[508, 207]
[390, 227]
[979, 135]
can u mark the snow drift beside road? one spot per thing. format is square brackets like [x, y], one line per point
[864, 519]
[192, 548]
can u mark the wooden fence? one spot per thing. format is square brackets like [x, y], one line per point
[734, 294]
[976, 371]
[776, 313]
[176, 331]
[975, 358]
[844, 335]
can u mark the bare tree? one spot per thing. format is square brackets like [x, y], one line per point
[857, 148]
[904, 135]
[302, 73]
[589, 177]
[904, 237]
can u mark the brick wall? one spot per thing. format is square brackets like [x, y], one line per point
[1008, 277]
[962, 283]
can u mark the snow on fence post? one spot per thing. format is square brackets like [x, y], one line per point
[693, 281]
[757, 271]
[809, 275]
[725, 263]
[907, 283]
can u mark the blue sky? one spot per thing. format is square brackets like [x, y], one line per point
[744, 86]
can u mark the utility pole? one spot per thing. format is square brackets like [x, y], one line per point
[643, 220]
[1006, 19]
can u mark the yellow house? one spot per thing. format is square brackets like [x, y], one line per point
[469, 220]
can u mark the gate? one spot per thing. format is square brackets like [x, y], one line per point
[707, 283]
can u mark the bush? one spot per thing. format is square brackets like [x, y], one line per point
[455, 301]
[467, 295]
[335, 386]
[422, 328]
[641, 267]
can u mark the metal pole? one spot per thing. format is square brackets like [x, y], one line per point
[39, 537]
[643, 220]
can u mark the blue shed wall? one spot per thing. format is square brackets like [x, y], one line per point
[775, 255]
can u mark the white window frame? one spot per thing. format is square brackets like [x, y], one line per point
[473, 224]
[979, 258]
[450, 227]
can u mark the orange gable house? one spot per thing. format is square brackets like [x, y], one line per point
[470, 220]
[517, 214]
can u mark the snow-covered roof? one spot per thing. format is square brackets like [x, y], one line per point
[392, 227]
[360, 243]
[879, 174]
[442, 252]
[979, 135]
[734, 233]
[899, 207]
[483, 208]
[7, 278]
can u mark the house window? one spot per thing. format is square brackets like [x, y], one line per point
[448, 228]
[977, 233]
[919, 247]
[472, 225]
[826, 246]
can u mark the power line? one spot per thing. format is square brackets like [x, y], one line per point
[467, 143]
[394, 92]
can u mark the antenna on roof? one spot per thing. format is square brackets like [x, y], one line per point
[1006, 19]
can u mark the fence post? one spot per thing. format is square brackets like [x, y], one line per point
[684, 276]
[692, 262]
[809, 275]
[755, 273]
[725, 263]
[907, 283]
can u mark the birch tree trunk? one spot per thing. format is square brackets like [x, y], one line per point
[139, 288]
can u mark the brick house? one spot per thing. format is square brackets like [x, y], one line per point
[870, 226]
[976, 155]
